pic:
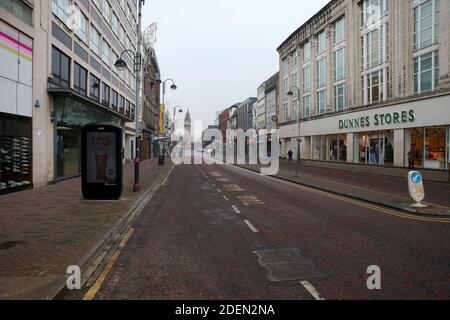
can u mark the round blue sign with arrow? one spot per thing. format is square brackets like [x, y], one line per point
[416, 177]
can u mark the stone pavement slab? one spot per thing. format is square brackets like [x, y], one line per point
[44, 230]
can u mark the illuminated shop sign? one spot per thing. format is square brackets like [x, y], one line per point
[378, 119]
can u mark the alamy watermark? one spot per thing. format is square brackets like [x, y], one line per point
[238, 147]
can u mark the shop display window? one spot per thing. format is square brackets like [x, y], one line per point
[375, 148]
[434, 153]
[338, 148]
[15, 153]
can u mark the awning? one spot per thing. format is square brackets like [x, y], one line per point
[67, 92]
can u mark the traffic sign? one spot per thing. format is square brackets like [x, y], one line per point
[416, 189]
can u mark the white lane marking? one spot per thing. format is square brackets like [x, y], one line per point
[252, 227]
[308, 286]
[213, 184]
[235, 209]
[233, 187]
[218, 190]
[225, 197]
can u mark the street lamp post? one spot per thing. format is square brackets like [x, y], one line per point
[173, 120]
[173, 87]
[121, 65]
[291, 93]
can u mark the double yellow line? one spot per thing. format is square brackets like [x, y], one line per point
[359, 203]
[98, 283]
[374, 207]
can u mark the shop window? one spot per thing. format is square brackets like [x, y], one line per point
[95, 88]
[338, 148]
[319, 148]
[15, 153]
[60, 69]
[375, 148]
[434, 153]
[414, 146]
[79, 79]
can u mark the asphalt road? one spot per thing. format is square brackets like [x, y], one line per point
[197, 239]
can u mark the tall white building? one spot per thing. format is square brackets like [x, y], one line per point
[260, 108]
[374, 84]
[57, 74]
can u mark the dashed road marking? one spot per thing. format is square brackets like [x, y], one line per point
[235, 209]
[218, 190]
[251, 226]
[308, 286]
[250, 200]
[233, 187]
[215, 174]
[225, 197]
[360, 203]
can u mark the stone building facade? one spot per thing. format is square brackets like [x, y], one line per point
[68, 48]
[373, 84]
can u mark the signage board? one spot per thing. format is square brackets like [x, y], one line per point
[101, 161]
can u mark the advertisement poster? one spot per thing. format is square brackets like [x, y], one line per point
[101, 157]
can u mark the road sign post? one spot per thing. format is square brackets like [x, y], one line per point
[416, 189]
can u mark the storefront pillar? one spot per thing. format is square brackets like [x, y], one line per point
[305, 148]
[350, 147]
[399, 147]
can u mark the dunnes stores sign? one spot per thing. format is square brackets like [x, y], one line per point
[378, 119]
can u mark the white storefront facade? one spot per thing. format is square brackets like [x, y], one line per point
[383, 135]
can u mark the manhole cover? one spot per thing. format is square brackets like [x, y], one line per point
[287, 265]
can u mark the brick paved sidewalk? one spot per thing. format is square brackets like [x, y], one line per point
[44, 230]
[388, 190]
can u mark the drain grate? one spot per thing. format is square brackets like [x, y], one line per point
[9, 244]
[287, 265]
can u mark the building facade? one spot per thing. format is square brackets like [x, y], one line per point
[223, 123]
[245, 114]
[150, 104]
[260, 108]
[373, 80]
[65, 52]
[271, 101]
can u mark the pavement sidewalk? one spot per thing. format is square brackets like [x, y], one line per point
[386, 190]
[44, 230]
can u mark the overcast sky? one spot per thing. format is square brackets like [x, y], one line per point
[220, 51]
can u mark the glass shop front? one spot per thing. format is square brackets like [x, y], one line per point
[15, 153]
[71, 116]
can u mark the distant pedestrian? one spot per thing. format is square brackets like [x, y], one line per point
[411, 158]
[290, 153]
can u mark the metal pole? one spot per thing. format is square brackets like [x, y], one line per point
[136, 186]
